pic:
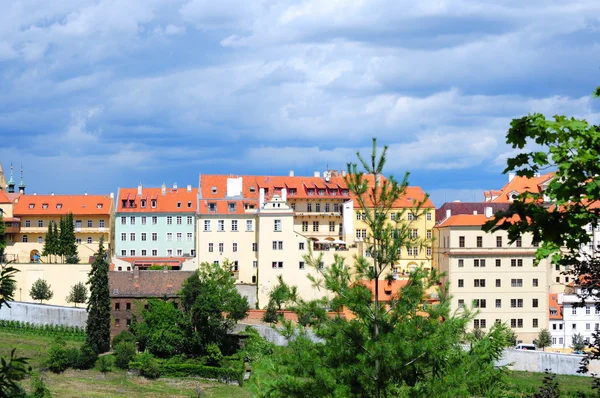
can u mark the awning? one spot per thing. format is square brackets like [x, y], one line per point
[338, 242]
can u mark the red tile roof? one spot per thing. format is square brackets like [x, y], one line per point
[387, 290]
[146, 283]
[4, 198]
[457, 208]
[518, 185]
[63, 204]
[467, 220]
[553, 305]
[175, 200]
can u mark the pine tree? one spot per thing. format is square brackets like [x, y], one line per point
[98, 322]
[78, 294]
[49, 242]
[55, 240]
[41, 290]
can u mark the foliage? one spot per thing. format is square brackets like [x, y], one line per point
[104, 364]
[67, 246]
[271, 315]
[189, 370]
[512, 340]
[549, 388]
[98, 322]
[149, 366]
[2, 237]
[124, 353]
[213, 355]
[256, 346]
[12, 370]
[544, 339]
[38, 387]
[578, 342]
[157, 267]
[52, 242]
[78, 294]
[41, 290]
[282, 293]
[405, 347]
[212, 303]
[26, 328]
[163, 330]
[7, 284]
[124, 335]
[59, 358]
[86, 357]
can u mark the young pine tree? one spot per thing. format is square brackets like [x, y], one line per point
[98, 322]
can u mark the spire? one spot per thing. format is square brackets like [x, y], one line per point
[22, 183]
[11, 181]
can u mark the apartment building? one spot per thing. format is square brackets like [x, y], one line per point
[153, 225]
[499, 280]
[577, 318]
[556, 324]
[31, 215]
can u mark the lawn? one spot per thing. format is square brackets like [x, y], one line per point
[118, 383]
[528, 382]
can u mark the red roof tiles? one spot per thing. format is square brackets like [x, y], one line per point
[175, 200]
[63, 204]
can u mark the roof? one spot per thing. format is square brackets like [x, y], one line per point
[175, 200]
[146, 283]
[413, 194]
[470, 220]
[63, 204]
[387, 290]
[518, 185]
[553, 305]
[457, 208]
[4, 198]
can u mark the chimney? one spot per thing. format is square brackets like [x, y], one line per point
[261, 198]
[488, 212]
[284, 194]
[343, 173]
[189, 188]
[140, 189]
[136, 272]
[537, 175]
[163, 189]
[474, 212]
[174, 185]
[51, 193]
[85, 193]
[511, 176]
[448, 213]
[317, 174]
[112, 195]
[291, 173]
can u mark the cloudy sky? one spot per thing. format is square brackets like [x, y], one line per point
[100, 94]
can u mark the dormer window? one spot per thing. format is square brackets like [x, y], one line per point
[178, 204]
[59, 205]
[212, 207]
[31, 205]
[143, 203]
[45, 206]
[292, 191]
[190, 204]
[153, 203]
[131, 203]
[214, 189]
[252, 188]
[321, 192]
[345, 192]
[311, 192]
[99, 205]
[124, 203]
[231, 207]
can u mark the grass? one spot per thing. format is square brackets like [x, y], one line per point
[529, 382]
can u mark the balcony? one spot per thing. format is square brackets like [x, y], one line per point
[318, 213]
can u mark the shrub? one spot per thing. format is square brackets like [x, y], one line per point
[124, 353]
[125, 335]
[213, 355]
[104, 364]
[271, 314]
[58, 360]
[86, 357]
[38, 387]
[209, 372]
[148, 365]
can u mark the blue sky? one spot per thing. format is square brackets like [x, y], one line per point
[100, 94]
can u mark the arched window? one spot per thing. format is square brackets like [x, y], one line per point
[89, 239]
[40, 239]
[25, 239]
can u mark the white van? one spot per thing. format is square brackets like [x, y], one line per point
[528, 347]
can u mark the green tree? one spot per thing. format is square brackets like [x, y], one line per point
[2, 237]
[41, 290]
[163, 330]
[578, 342]
[124, 353]
[213, 305]
[98, 322]
[407, 347]
[78, 294]
[544, 339]
[38, 387]
[51, 242]
[67, 240]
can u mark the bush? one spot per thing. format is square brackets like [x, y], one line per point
[149, 366]
[271, 314]
[38, 387]
[213, 355]
[209, 372]
[125, 335]
[124, 353]
[59, 359]
[86, 357]
[104, 364]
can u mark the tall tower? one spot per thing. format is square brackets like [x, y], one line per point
[2, 178]
[22, 183]
[11, 182]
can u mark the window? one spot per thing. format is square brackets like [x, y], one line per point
[331, 226]
[461, 283]
[361, 233]
[123, 220]
[143, 220]
[254, 247]
[132, 220]
[117, 322]
[429, 251]
[169, 252]
[413, 233]
[301, 246]
[516, 282]
[234, 225]
[221, 225]
[413, 251]
[461, 241]
[587, 310]
[535, 282]
[40, 239]
[498, 241]
[190, 220]
[498, 303]
[318, 207]
[206, 225]
[153, 203]
[254, 264]
[277, 264]
[315, 226]
[154, 252]
[77, 240]
[221, 247]
[519, 242]
[479, 303]
[516, 262]
[178, 204]
[117, 306]
[132, 236]
[461, 303]
[169, 220]
[574, 326]
[89, 240]
[123, 236]
[479, 283]
[498, 262]
[277, 245]
[143, 203]
[248, 225]
[309, 207]
[277, 225]
[169, 236]
[301, 265]
[189, 236]
[574, 311]
[428, 216]
[143, 236]
[144, 252]
[234, 247]
[132, 252]
[587, 326]
[90, 223]
[154, 220]
[411, 217]
[210, 248]
[479, 323]
[101, 223]
[154, 236]
[179, 236]
[179, 220]
[498, 283]
[479, 241]
[461, 262]
[535, 322]
[123, 252]
[429, 233]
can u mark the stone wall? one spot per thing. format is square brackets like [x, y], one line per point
[539, 361]
[39, 314]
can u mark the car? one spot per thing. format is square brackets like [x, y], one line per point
[526, 347]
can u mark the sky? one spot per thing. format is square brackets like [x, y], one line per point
[97, 95]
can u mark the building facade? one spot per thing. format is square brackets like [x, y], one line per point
[156, 223]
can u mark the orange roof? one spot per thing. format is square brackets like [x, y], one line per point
[553, 305]
[223, 207]
[519, 185]
[412, 194]
[469, 220]
[387, 290]
[175, 200]
[63, 204]
[3, 197]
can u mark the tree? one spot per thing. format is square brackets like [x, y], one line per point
[163, 330]
[405, 347]
[52, 241]
[98, 322]
[78, 294]
[67, 240]
[41, 290]
[213, 305]
[2, 237]
[578, 343]
[544, 339]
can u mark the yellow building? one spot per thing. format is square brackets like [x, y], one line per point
[31, 215]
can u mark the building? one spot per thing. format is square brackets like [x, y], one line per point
[130, 291]
[500, 280]
[578, 317]
[154, 224]
[31, 215]
[556, 322]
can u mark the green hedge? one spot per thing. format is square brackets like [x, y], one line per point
[26, 328]
[191, 370]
